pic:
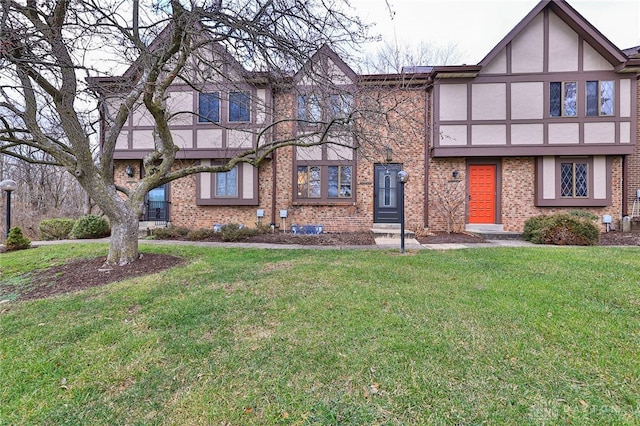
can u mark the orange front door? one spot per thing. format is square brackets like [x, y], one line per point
[482, 193]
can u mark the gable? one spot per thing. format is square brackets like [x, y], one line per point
[553, 37]
[325, 67]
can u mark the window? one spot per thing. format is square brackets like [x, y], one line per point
[309, 182]
[574, 180]
[236, 187]
[340, 106]
[599, 98]
[563, 99]
[339, 181]
[239, 107]
[309, 108]
[209, 107]
[227, 183]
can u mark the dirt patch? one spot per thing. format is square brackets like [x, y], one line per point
[84, 273]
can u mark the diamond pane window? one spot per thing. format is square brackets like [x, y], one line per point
[574, 180]
[592, 98]
[581, 180]
[555, 99]
[570, 98]
[563, 99]
[606, 98]
[600, 98]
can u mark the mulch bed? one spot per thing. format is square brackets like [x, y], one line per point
[85, 273]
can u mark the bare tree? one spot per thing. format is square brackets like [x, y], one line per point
[44, 191]
[50, 50]
[449, 201]
[394, 56]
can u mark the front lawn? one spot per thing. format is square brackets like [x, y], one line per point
[253, 337]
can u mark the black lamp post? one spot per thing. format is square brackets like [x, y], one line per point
[403, 177]
[8, 186]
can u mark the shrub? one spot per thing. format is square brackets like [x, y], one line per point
[170, 232]
[56, 229]
[235, 232]
[532, 229]
[584, 214]
[200, 234]
[91, 226]
[562, 229]
[16, 239]
[263, 228]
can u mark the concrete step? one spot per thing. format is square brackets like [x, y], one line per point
[390, 230]
[146, 227]
[498, 235]
[492, 231]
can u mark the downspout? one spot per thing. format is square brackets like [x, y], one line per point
[274, 186]
[274, 168]
[625, 184]
[426, 157]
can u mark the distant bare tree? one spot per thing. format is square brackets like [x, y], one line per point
[44, 191]
[392, 56]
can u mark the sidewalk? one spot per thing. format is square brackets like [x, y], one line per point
[381, 244]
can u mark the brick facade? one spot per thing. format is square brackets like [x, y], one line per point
[400, 117]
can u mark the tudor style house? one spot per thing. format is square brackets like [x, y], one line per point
[546, 122]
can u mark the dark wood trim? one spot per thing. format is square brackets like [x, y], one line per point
[532, 151]
[229, 201]
[559, 201]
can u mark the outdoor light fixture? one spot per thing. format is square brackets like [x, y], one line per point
[129, 170]
[455, 174]
[388, 154]
[8, 186]
[403, 177]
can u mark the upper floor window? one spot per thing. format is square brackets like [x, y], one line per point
[563, 98]
[227, 183]
[239, 107]
[600, 98]
[209, 107]
[309, 108]
[340, 106]
[574, 180]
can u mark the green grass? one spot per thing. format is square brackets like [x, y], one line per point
[296, 337]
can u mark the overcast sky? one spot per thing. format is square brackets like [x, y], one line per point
[476, 26]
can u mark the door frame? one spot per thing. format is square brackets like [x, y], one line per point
[146, 216]
[393, 167]
[497, 162]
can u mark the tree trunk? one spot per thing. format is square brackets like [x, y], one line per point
[123, 246]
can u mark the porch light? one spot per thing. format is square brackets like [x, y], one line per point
[129, 170]
[8, 186]
[455, 174]
[388, 152]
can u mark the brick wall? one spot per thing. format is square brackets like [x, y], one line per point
[517, 193]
